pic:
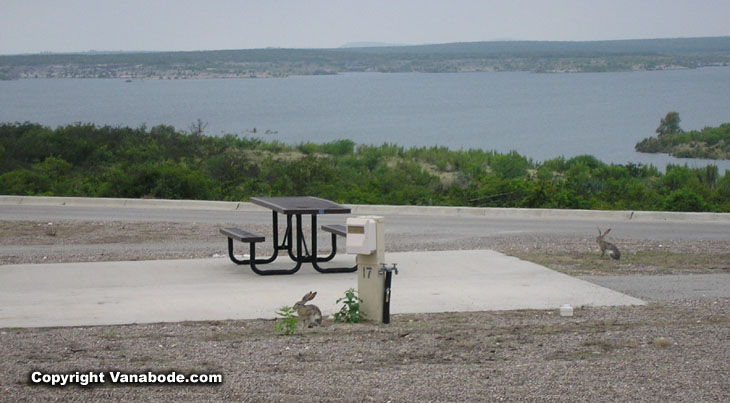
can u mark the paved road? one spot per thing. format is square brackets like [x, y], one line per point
[425, 227]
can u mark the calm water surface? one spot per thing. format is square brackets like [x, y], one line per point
[541, 116]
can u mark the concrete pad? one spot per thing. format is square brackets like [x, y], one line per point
[72, 294]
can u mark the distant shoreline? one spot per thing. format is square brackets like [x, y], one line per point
[130, 76]
[529, 56]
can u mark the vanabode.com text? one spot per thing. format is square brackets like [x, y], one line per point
[89, 378]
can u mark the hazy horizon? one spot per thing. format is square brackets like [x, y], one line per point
[357, 44]
[80, 26]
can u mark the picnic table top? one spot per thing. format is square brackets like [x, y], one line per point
[300, 205]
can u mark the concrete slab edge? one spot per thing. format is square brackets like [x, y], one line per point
[488, 212]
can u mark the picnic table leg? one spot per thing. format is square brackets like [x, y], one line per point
[231, 255]
[279, 271]
[308, 257]
[290, 234]
[275, 231]
[252, 257]
[286, 241]
[275, 271]
[334, 251]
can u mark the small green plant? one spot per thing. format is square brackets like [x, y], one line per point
[350, 311]
[287, 322]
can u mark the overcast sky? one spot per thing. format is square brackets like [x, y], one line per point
[31, 26]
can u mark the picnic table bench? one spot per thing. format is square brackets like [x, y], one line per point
[335, 229]
[242, 235]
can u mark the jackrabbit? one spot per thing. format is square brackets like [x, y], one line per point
[607, 247]
[309, 314]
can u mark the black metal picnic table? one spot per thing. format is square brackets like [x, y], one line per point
[293, 208]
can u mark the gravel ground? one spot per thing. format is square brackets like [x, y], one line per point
[672, 350]
[83, 241]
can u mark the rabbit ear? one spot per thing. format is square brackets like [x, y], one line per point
[309, 296]
[599, 231]
[607, 231]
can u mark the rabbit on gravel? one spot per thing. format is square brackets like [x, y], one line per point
[607, 247]
[310, 315]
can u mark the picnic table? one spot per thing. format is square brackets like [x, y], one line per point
[294, 240]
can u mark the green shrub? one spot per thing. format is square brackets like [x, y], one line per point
[350, 311]
[92, 161]
[685, 200]
[286, 324]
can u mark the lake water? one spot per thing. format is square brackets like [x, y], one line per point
[541, 116]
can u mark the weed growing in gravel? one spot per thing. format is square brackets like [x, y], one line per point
[287, 322]
[662, 342]
[350, 311]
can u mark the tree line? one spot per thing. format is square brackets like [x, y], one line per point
[162, 162]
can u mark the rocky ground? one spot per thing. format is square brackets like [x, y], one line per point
[668, 350]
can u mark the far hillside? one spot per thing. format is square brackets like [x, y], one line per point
[534, 56]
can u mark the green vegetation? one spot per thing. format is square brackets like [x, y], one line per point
[710, 142]
[536, 56]
[161, 162]
[286, 324]
[350, 311]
